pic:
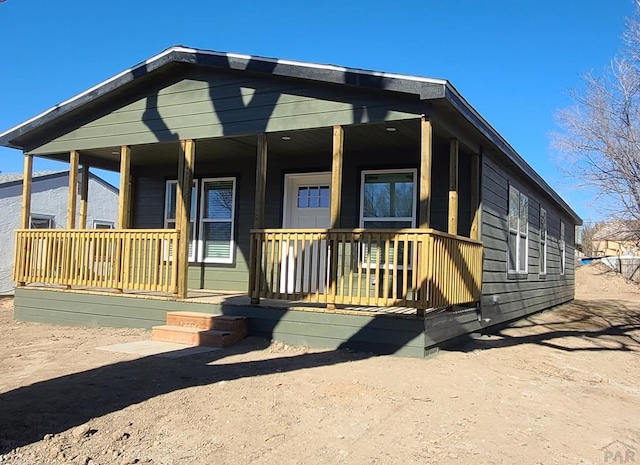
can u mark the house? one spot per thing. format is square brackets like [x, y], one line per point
[615, 238]
[49, 198]
[332, 206]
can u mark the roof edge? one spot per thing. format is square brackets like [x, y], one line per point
[470, 113]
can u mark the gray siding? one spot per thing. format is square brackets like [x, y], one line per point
[49, 197]
[507, 296]
[202, 104]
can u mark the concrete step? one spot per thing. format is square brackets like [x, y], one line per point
[234, 324]
[191, 319]
[194, 336]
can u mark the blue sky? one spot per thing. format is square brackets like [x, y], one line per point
[512, 60]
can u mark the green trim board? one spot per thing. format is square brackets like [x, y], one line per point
[385, 334]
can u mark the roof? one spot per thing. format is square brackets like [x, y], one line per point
[618, 230]
[423, 87]
[11, 178]
[16, 178]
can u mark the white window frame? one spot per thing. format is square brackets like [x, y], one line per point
[543, 241]
[232, 220]
[522, 235]
[563, 250]
[413, 219]
[110, 224]
[167, 220]
[40, 216]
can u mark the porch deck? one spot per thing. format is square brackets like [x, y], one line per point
[230, 298]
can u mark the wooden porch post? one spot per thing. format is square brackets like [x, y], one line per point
[426, 155]
[453, 187]
[261, 182]
[74, 159]
[475, 197]
[336, 206]
[25, 211]
[255, 273]
[336, 176]
[124, 199]
[26, 191]
[186, 164]
[84, 195]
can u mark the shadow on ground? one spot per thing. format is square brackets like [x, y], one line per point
[55, 405]
[591, 326]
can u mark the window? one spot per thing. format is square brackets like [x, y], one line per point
[41, 221]
[562, 249]
[100, 224]
[216, 220]
[518, 232]
[313, 197]
[388, 201]
[171, 193]
[543, 241]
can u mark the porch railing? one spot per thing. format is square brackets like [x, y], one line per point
[420, 268]
[133, 259]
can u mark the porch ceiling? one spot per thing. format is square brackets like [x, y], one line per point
[387, 136]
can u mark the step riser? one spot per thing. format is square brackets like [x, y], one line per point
[232, 326]
[201, 329]
[190, 321]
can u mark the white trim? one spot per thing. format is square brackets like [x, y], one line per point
[412, 219]
[194, 193]
[543, 249]
[232, 220]
[414, 172]
[563, 249]
[43, 216]
[289, 179]
[518, 268]
[111, 224]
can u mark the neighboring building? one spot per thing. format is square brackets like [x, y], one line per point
[383, 205]
[615, 238]
[49, 196]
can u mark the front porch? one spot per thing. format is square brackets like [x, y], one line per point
[395, 259]
[406, 271]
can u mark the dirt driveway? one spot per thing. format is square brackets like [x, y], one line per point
[561, 387]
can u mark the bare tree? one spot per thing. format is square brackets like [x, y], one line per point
[599, 136]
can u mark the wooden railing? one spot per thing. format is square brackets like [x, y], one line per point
[133, 259]
[419, 268]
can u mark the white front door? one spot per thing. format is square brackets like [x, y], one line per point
[307, 200]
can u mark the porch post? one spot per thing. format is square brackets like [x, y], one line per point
[20, 256]
[26, 191]
[124, 200]
[261, 182]
[84, 195]
[453, 187]
[426, 155]
[255, 272]
[336, 176]
[186, 163]
[475, 196]
[74, 158]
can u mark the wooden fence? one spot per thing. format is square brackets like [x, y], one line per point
[419, 268]
[133, 259]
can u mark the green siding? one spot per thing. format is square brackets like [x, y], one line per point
[412, 337]
[204, 104]
[524, 294]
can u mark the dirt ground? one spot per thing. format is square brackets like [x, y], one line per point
[560, 387]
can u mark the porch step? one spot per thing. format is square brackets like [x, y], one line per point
[204, 329]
